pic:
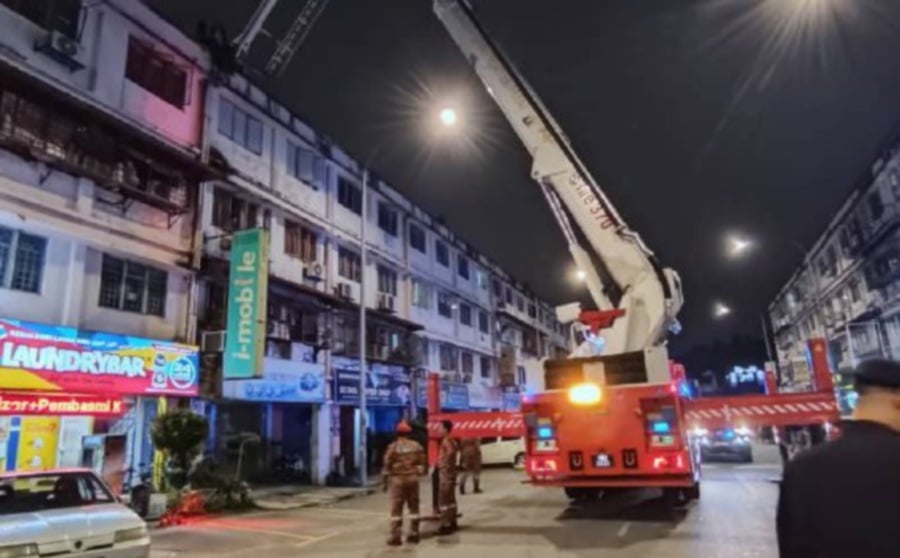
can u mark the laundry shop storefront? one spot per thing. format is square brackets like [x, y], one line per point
[77, 398]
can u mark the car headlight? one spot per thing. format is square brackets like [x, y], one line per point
[19, 551]
[127, 535]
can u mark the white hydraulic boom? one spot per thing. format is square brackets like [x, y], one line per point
[650, 295]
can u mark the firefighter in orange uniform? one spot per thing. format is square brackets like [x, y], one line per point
[448, 455]
[404, 463]
[470, 462]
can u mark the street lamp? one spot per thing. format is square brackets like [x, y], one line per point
[581, 275]
[448, 117]
[738, 246]
[721, 310]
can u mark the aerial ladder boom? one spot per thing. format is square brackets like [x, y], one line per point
[650, 295]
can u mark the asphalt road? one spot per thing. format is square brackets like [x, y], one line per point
[733, 519]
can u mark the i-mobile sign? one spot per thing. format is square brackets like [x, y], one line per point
[247, 286]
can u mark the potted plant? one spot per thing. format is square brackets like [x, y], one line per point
[179, 435]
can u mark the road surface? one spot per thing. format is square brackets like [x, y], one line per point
[733, 519]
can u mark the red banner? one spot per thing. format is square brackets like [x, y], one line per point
[16, 403]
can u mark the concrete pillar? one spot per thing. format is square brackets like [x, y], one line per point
[321, 450]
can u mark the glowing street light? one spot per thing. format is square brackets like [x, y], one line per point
[448, 117]
[720, 310]
[581, 275]
[737, 245]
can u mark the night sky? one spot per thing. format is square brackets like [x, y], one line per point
[698, 118]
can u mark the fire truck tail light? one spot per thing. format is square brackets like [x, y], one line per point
[542, 465]
[662, 462]
[585, 394]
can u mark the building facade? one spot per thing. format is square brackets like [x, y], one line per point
[100, 141]
[847, 289]
[127, 167]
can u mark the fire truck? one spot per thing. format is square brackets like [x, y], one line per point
[613, 415]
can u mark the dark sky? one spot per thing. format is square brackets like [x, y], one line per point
[697, 117]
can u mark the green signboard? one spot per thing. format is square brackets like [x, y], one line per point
[245, 338]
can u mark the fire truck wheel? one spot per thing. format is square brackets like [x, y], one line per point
[582, 494]
[693, 493]
[676, 497]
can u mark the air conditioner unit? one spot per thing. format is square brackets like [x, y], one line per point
[386, 302]
[62, 48]
[344, 291]
[314, 271]
[212, 341]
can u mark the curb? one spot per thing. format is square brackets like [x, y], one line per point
[313, 503]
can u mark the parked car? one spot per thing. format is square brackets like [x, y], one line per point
[726, 444]
[503, 451]
[66, 512]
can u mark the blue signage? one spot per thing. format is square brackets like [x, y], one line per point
[385, 385]
[512, 401]
[283, 381]
[454, 396]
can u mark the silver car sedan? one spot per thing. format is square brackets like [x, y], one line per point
[69, 513]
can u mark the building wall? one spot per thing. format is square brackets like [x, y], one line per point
[847, 289]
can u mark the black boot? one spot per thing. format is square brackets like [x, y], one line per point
[462, 488]
[413, 538]
[477, 487]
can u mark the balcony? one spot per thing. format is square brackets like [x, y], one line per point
[82, 141]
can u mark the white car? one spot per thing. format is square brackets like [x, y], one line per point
[503, 451]
[67, 512]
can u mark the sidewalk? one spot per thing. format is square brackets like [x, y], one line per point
[291, 497]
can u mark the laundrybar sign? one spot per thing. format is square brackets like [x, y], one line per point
[12, 403]
[57, 358]
[247, 286]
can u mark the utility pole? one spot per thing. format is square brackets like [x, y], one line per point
[363, 368]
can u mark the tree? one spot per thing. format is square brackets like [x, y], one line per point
[179, 434]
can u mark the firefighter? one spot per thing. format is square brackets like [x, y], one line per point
[470, 462]
[448, 455]
[404, 463]
[841, 498]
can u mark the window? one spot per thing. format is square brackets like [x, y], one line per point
[21, 260]
[305, 164]
[486, 367]
[509, 296]
[876, 205]
[231, 213]
[481, 279]
[387, 219]
[417, 238]
[421, 294]
[854, 290]
[483, 321]
[156, 73]
[37, 492]
[442, 253]
[349, 264]
[520, 375]
[387, 281]
[349, 195]
[54, 15]
[520, 303]
[498, 289]
[465, 315]
[445, 309]
[448, 357]
[300, 242]
[468, 363]
[462, 267]
[532, 311]
[238, 126]
[132, 287]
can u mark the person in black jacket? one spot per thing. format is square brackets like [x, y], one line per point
[842, 499]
